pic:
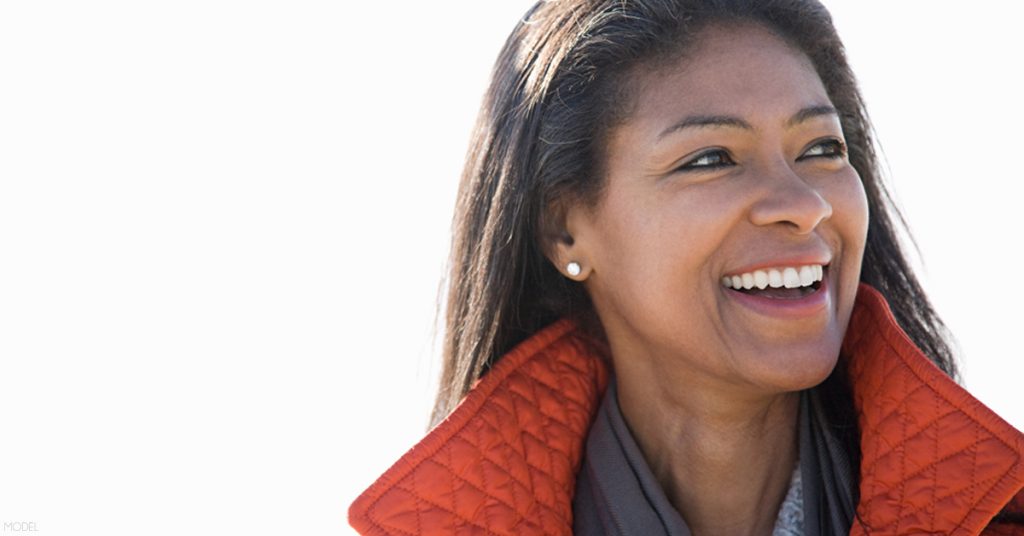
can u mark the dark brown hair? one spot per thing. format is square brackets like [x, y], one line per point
[557, 89]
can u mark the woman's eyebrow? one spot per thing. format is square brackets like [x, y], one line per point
[705, 121]
[809, 112]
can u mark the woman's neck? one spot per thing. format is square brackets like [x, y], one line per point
[724, 462]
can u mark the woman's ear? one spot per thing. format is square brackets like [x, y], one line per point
[564, 244]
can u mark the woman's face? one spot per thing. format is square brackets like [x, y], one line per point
[732, 162]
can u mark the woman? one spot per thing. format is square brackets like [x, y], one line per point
[678, 305]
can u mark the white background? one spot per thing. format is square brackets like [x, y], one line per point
[223, 223]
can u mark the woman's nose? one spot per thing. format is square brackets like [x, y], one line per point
[792, 202]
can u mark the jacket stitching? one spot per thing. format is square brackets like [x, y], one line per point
[935, 473]
[549, 452]
[969, 448]
[522, 436]
[419, 524]
[554, 391]
[456, 514]
[451, 482]
[484, 456]
[523, 457]
[882, 455]
[483, 492]
[522, 433]
[395, 528]
[974, 474]
[551, 508]
[955, 493]
[902, 449]
[371, 514]
[513, 477]
[508, 462]
[483, 480]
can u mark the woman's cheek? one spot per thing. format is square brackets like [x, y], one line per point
[853, 209]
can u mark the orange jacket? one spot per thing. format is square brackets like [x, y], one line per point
[934, 459]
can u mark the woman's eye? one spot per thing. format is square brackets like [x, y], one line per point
[709, 160]
[828, 148]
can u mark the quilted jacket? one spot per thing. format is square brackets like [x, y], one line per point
[934, 460]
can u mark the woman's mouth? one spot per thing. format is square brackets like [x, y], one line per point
[786, 291]
[789, 282]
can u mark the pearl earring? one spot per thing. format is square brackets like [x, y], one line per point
[573, 268]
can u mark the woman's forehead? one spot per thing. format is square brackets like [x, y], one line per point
[744, 71]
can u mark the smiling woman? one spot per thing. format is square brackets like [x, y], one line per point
[754, 180]
[678, 303]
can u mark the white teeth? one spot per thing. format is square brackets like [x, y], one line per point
[807, 275]
[788, 277]
[791, 278]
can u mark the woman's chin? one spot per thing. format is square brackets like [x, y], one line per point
[795, 370]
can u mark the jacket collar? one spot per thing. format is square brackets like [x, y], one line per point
[933, 458]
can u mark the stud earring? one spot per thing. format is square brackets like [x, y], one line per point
[573, 268]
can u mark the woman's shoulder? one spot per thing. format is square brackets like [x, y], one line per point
[505, 460]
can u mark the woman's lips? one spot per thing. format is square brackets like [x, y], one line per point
[809, 305]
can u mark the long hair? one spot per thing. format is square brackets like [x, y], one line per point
[557, 88]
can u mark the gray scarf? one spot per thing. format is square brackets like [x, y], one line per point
[618, 495]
